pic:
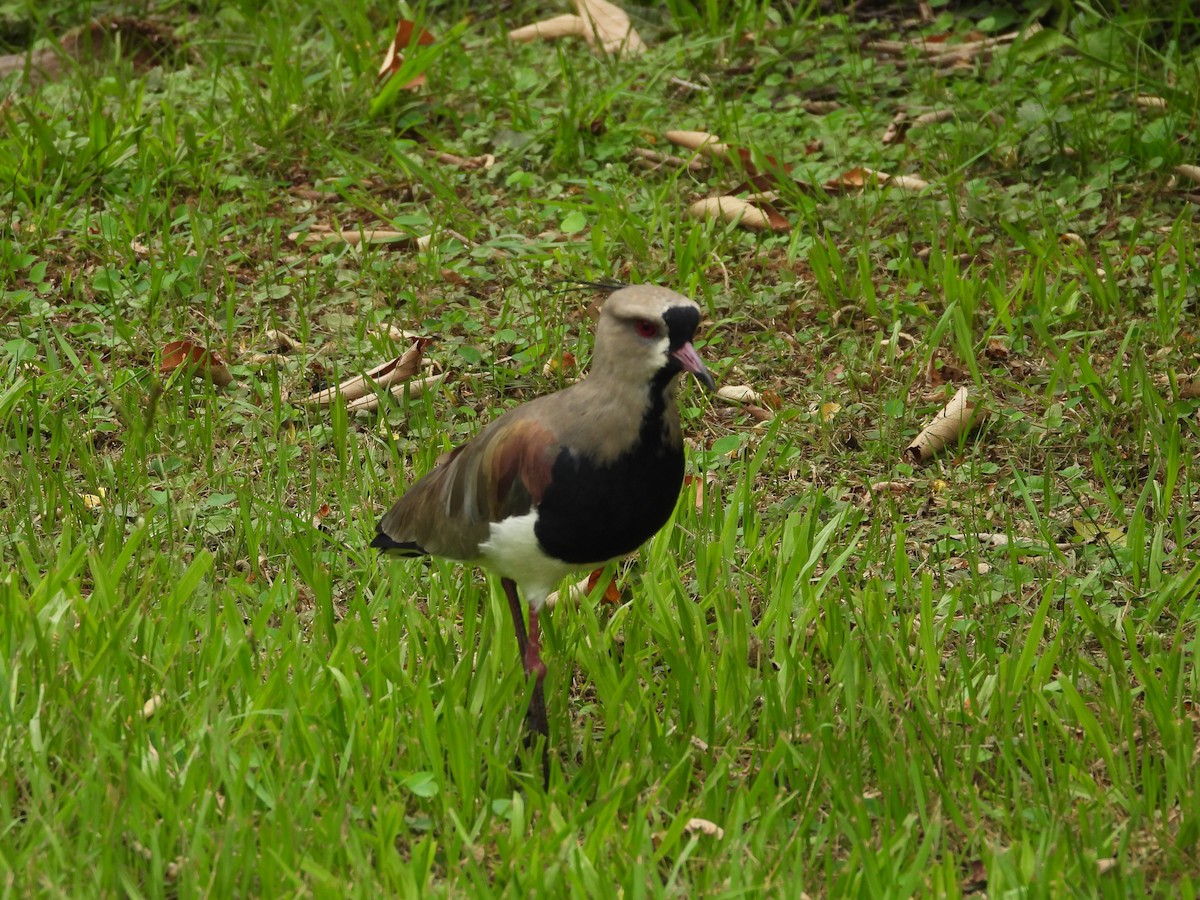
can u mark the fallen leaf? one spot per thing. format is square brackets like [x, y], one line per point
[318, 234]
[401, 390]
[861, 176]
[739, 393]
[1192, 172]
[1090, 532]
[704, 826]
[196, 359]
[1149, 101]
[896, 128]
[485, 162]
[567, 25]
[94, 501]
[699, 484]
[398, 369]
[608, 27]
[955, 419]
[281, 340]
[612, 594]
[739, 211]
[700, 141]
[829, 410]
[933, 117]
[151, 706]
[564, 362]
[394, 58]
[318, 519]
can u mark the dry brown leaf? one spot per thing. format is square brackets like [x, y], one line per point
[354, 236]
[955, 419]
[1192, 172]
[700, 141]
[704, 826]
[735, 209]
[560, 26]
[579, 590]
[612, 593]
[196, 359]
[739, 393]
[565, 362]
[861, 176]
[398, 369]
[896, 128]
[401, 390]
[151, 706]
[394, 58]
[608, 27]
[933, 117]
[699, 484]
[1149, 101]
[281, 340]
[906, 182]
[486, 161]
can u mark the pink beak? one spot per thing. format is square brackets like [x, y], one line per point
[691, 361]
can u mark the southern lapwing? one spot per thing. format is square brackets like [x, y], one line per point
[567, 481]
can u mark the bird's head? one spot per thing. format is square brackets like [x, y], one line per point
[646, 332]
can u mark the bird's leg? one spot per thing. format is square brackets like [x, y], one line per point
[518, 617]
[537, 703]
[530, 646]
[531, 656]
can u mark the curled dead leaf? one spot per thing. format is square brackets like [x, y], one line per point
[738, 211]
[739, 393]
[607, 27]
[393, 59]
[486, 161]
[319, 234]
[398, 369]
[199, 360]
[568, 25]
[281, 340]
[1188, 171]
[955, 419]
[700, 141]
[861, 176]
[151, 706]
[704, 826]
[403, 389]
[933, 117]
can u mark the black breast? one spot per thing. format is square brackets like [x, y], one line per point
[591, 513]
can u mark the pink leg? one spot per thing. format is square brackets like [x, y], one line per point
[533, 649]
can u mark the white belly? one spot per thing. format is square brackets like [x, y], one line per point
[512, 551]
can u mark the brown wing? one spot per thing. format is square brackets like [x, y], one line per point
[501, 472]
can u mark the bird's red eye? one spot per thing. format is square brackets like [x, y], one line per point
[646, 328]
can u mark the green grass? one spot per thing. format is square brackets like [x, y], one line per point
[209, 688]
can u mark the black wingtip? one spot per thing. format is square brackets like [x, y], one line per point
[385, 544]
